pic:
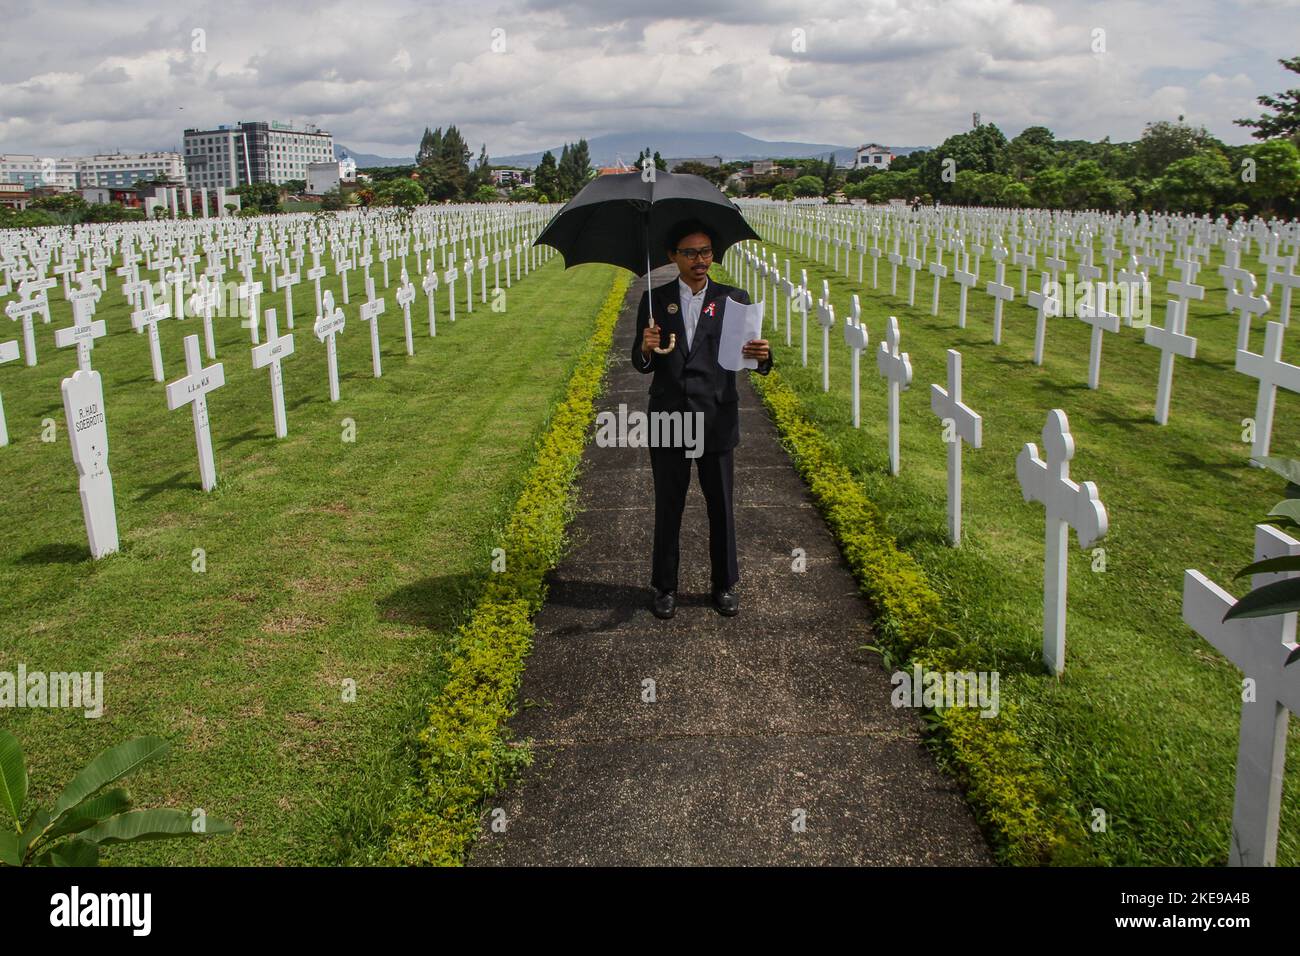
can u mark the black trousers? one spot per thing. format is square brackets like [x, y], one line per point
[672, 477]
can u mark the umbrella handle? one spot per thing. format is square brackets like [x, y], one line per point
[672, 336]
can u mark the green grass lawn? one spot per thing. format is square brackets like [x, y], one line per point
[325, 560]
[1143, 723]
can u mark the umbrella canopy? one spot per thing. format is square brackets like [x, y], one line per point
[623, 220]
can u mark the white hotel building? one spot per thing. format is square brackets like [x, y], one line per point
[114, 170]
[273, 152]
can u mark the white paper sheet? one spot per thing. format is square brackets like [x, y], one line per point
[740, 324]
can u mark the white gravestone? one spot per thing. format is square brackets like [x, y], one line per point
[966, 280]
[1259, 646]
[83, 331]
[202, 303]
[1172, 340]
[1249, 305]
[83, 409]
[8, 353]
[405, 296]
[1185, 289]
[826, 319]
[1095, 314]
[1289, 281]
[147, 319]
[896, 367]
[270, 354]
[855, 337]
[287, 281]
[960, 424]
[329, 324]
[371, 310]
[430, 286]
[22, 311]
[1001, 292]
[939, 271]
[449, 279]
[251, 293]
[1273, 374]
[1067, 505]
[193, 390]
[1044, 305]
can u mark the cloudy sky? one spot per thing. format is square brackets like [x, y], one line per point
[522, 75]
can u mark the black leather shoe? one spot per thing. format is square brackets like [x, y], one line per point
[664, 605]
[725, 602]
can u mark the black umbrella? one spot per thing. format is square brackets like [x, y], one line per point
[623, 220]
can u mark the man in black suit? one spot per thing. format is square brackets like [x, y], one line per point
[688, 379]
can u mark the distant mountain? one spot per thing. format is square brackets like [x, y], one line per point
[675, 144]
[368, 160]
[608, 149]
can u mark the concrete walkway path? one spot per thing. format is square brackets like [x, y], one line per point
[770, 738]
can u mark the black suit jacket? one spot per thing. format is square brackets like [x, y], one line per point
[693, 381]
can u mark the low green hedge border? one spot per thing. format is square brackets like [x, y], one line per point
[466, 753]
[1027, 820]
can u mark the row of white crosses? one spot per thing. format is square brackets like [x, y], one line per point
[83, 391]
[1173, 340]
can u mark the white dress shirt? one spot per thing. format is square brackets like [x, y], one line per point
[691, 303]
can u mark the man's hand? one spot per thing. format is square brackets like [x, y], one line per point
[649, 339]
[757, 349]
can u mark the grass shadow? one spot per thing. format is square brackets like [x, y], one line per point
[436, 603]
[55, 554]
[175, 483]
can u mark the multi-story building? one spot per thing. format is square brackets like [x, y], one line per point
[14, 195]
[74, 172]
[872, 156]
[271, 152]
[119, 170]
[511, 176]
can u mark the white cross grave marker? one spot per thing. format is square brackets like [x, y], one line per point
[960, 423]
[1001, 292]
[1272, 373]
[22, 311]
[147, 319]
[83, 410]
[430, 285]
[85, 328]
[329, 324]
[1068, 505]
[371, 310]
[1095, 314]
[1250, 305]
[8, 353]
[193, 390]
[1172, 340]
[405, 296]
[270, 353]
[1259, 646]
[896, 367]
[826, 319]
[855, 336]
[1044, 305]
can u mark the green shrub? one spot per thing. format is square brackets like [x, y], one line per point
[1026, 820]
[466, 754]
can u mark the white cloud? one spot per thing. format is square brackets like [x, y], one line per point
[81, 76]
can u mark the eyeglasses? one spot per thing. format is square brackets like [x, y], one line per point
[693, 254]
